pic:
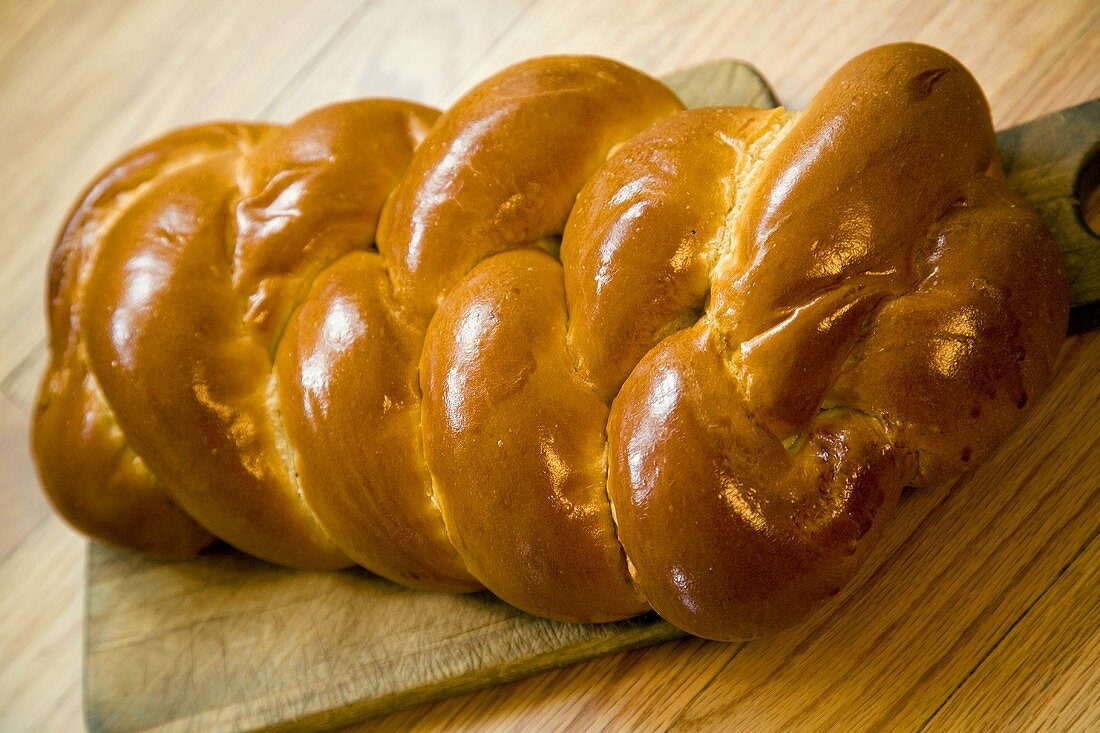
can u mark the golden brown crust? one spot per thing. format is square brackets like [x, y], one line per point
[784, 528]
[865, 331]
[645, 232]
[312, 192]
[953, 364]
[187, 384]
[95, 480]
[503, 166]
[515, 439]
[761, 328]
[350, 396]
[90, 474]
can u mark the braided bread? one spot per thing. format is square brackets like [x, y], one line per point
[566, 341]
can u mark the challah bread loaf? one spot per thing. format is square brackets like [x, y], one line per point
[566, 341]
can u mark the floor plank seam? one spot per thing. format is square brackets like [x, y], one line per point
[45, 518]
[1084, 30]
[28, 32]
[687, 706]
[488, 50]
[345, 28]
[1026, 612]
[24, 403]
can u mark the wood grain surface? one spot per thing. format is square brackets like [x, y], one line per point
[979, 607]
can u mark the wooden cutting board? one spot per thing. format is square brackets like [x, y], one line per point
[232, 643]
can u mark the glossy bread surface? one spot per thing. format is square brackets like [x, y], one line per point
[566, 340]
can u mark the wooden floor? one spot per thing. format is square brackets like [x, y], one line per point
[1005, 589]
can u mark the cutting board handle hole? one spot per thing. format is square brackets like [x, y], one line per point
[1087, 191]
